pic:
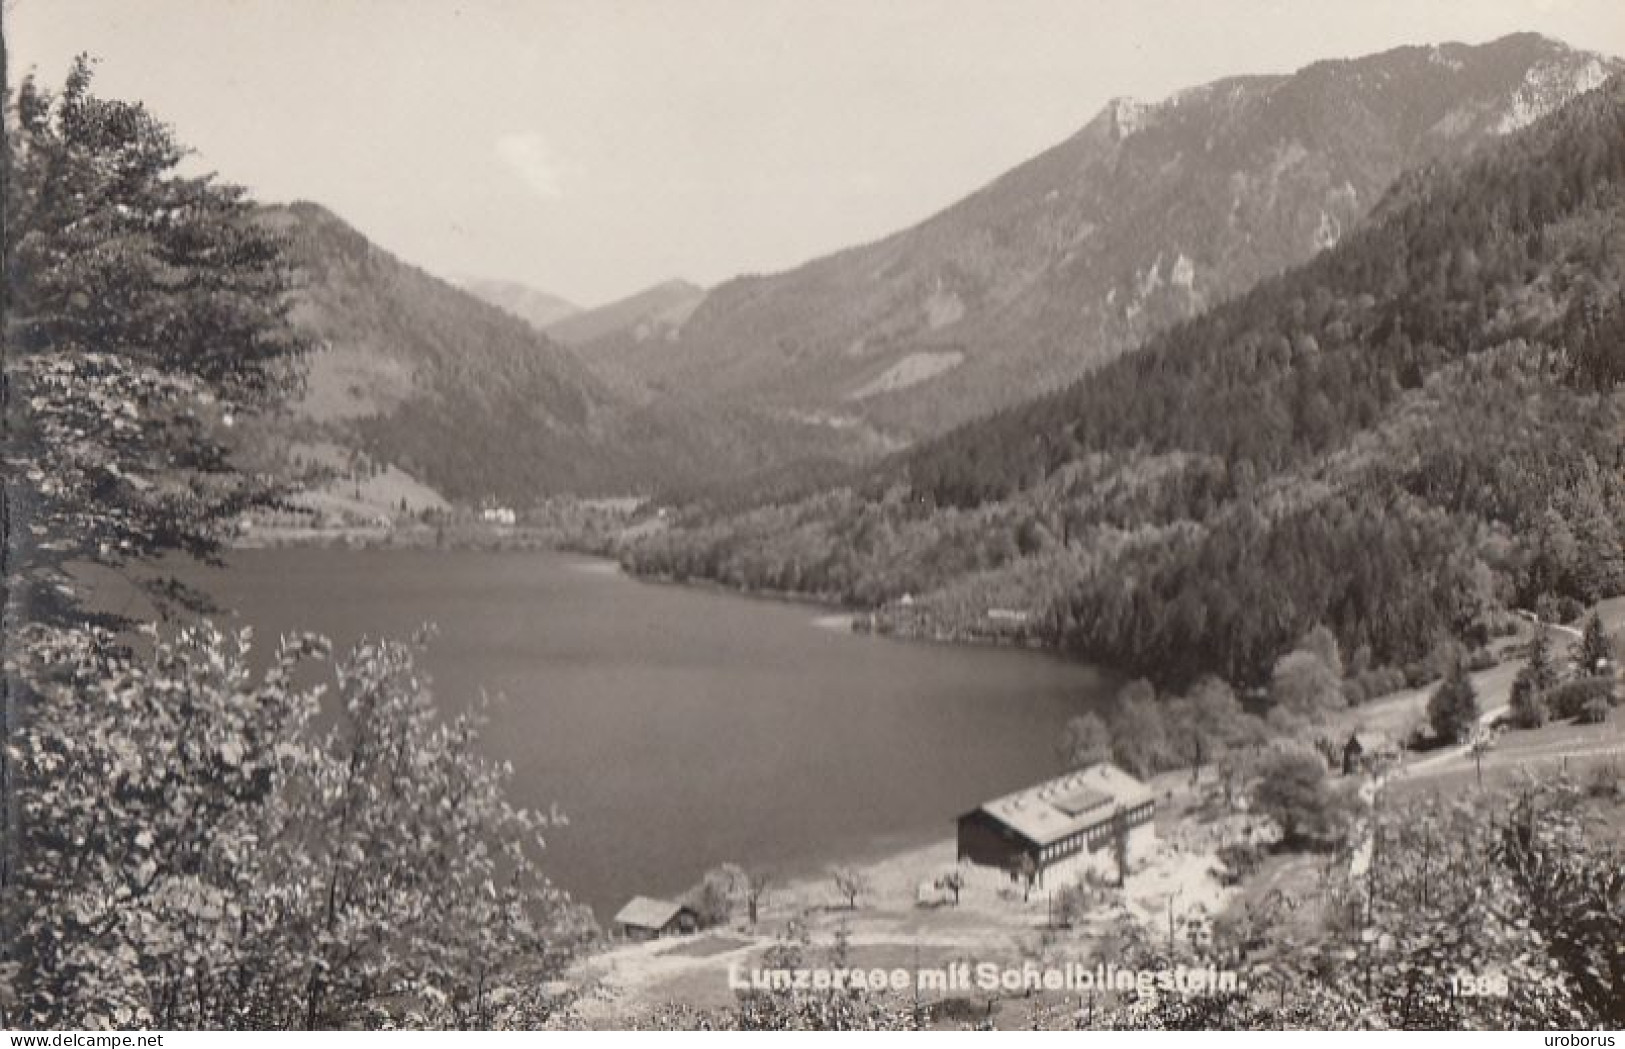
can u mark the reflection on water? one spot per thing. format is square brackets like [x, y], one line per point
[681, 728]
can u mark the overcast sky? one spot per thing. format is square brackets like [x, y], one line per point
[593, 147]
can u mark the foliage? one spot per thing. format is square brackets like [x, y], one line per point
[1528, 704]
[1303, 683]
[145, 321]
[1574, 888]
[1572, 698]
[1595, 710]
[1072, 904]
[1594, 652]
[206, 849]
[1085, 741]
[1541, 668]
[1091, 247]
[461, 394]
[1292, 789]
[1393, 442]
[794, 1010]
[1322, 643]
[147, 318]
[1432, 908]
[1510, 890]
[1207, 722]
[755, 886]
[1139, 732]
[713, 899]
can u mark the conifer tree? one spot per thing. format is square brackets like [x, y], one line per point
[1541, 668]
[1453, 708]
[1593, 652]
[147, 319]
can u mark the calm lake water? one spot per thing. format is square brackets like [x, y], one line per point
[681, 728]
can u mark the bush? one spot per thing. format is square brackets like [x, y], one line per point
[1558, 608]
[1528, 706]
[713, 898]
[1572, 698]
[1595, 711]
[1605, 780]
[1304, 684]
[1073, 904]
[1292, 789]
[1370, 684]
[1453, 707]
[1240, 860]
[207, 849]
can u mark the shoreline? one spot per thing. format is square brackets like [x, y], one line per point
[525, 538]
[789, 597]
[839, 617]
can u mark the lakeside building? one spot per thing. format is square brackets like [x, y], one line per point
[644, 918]
[1063, 825]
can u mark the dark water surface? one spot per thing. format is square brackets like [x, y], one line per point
[680, 728]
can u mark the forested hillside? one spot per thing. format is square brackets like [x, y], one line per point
[1150, 213]
[653, 313]
[1419, 429]
[466, 397]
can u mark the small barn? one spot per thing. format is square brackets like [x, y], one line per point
[1072, 819]
[1353, 752]
[645, 918]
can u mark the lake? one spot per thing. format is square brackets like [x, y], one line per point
[679, 728]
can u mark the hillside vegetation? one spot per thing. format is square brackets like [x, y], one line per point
[1149, 214]
[411, 372]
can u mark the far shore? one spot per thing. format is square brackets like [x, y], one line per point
[793, 597]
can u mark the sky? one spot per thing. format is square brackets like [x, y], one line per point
[590, 148]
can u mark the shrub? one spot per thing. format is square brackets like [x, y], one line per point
[1240, 860]
[713, 899]
[1571, 699]
[1370, 684]
[1292, 790]
[1073, 904]
[1453, 707]
[1303, 684]
[1595, 711]
[1558, 608]
[204, 852]
[1528, 705]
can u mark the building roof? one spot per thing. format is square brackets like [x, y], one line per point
[648, 913]
[1067, 804]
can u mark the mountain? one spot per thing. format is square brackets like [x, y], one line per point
[651, 315]
[1400, 440]
[475, 403]
[1149, 214]
[531, 305]
[461, 395]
